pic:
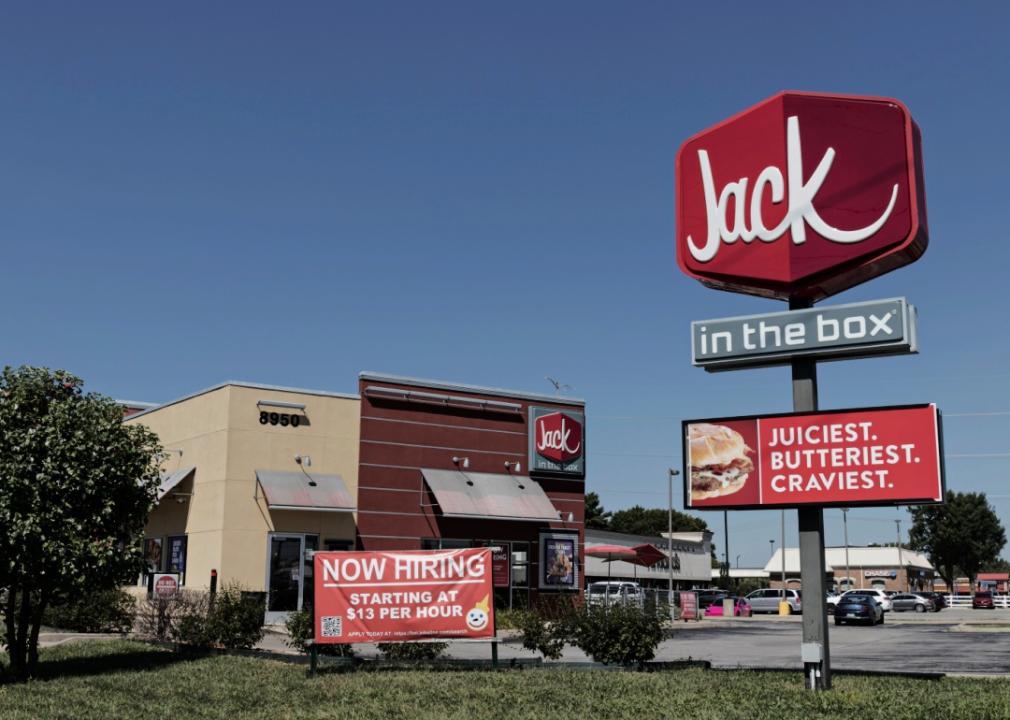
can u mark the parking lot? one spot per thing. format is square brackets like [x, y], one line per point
[954, 641]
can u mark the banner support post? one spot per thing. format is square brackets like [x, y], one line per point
[815, 650]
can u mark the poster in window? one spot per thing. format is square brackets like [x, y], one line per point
[177, 554]
[152, 554]
[559, 566]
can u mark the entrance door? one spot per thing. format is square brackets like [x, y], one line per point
[286, 574]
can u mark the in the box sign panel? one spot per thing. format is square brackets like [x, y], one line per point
[886, 456]
[881, 327]
[801, 196]
[557, 441]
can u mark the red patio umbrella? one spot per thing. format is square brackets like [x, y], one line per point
[609, 553]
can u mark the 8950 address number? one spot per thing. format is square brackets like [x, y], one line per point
[282, 419]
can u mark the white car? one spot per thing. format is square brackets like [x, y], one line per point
[615, 591]
[880, 595]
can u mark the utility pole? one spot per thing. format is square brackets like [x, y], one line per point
[901, 561]
[669, 539]
[815, 651]
[725, 552]
[845, 527]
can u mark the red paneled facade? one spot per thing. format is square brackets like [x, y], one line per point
[409, 424]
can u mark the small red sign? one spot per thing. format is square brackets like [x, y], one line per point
[501, 566]
[885, 456]
[558, 437]
[165, 586]
[689, 606]
[801, 196]
[395, 596]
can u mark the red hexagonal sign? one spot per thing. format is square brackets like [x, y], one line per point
[558, 437]
[801, 196]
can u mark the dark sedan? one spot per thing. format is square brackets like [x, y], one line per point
[858, 609]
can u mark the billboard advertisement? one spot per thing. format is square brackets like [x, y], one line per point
[401, 595]
[839, 458]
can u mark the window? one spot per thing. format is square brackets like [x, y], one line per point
[177, 556]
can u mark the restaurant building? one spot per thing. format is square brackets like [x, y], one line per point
[445, 465]
[256, 476]
[882, 568]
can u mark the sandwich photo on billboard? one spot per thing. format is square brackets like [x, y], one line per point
[720, 462]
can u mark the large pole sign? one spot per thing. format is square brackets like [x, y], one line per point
[801, 196]
[798, 198]
[841, 458]
[396, 596]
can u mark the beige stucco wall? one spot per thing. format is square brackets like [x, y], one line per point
[226, 519]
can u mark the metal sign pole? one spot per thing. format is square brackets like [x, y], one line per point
[815, 649]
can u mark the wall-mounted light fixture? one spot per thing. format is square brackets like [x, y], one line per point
[304, 460]
[513, 466]
[461, 462]
[563, 518]
[281, 404]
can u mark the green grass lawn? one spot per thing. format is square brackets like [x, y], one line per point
[121, 679]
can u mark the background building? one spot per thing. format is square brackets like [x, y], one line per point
[445, 465]
[689, 552]
[860, 567]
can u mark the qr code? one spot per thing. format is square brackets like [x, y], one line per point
[333, 626]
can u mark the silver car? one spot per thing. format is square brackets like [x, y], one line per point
[615, 591]
[911, 601]
[767, 600]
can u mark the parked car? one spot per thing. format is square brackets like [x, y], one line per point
[711, 596]
[741, 608]
[880, 595]
[983, 599]
[919, 602]
[939, 600]
[613, 592]
[859, 608]
[830, 600]
[767, 600]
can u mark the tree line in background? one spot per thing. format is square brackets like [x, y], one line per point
[638, 520]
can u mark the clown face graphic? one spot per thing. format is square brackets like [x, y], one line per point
[478, 616]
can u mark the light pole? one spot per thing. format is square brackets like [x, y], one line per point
[845, 527]
[771, 551]
[670, 474]
[737, 562]
[783, 557]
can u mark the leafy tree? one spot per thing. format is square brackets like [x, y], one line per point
[999, 565]
[596, 517]
[964, 533]
[638, 520]
[76, 486]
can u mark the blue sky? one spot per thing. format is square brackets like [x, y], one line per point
[481, 193]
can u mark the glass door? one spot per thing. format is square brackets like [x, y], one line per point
[289, 570]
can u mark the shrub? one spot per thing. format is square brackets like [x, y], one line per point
[508, 619]
[412, 650]
[300, 631]
[618, 635]
[235, 619]
[160, 618]
[101, 611]
[545, 636]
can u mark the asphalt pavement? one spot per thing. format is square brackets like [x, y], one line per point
[954, 641]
